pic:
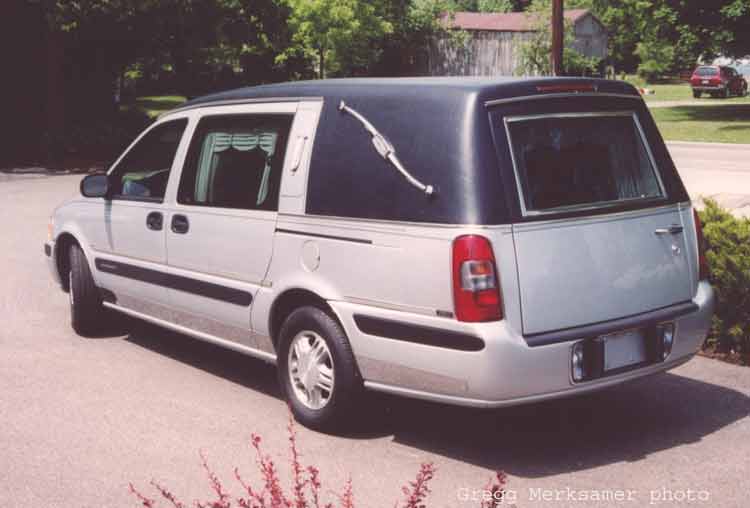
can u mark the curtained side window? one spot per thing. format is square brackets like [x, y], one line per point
[236, 162]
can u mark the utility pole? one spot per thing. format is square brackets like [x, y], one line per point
[556, 58]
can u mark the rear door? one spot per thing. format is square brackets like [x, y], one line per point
[220, 230]
[599, 237]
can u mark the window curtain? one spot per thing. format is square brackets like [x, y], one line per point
[217, 142]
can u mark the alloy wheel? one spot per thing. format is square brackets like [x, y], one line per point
[310, 366]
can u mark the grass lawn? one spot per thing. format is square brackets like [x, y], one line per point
[677, 92]
[685, 93]
[154, 106]
[717, 124]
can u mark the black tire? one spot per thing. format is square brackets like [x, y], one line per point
[338, 413]
[725, 93]
[697, 94]
[85, 300]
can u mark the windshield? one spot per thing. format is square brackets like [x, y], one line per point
[581, 161]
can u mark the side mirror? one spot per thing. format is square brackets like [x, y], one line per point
[95, 186]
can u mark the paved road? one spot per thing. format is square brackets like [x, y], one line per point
[719, 171]
[80, 418]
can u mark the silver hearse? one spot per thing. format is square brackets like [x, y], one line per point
[474, 242]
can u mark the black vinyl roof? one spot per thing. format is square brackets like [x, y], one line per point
[443, 133]
[482, 88]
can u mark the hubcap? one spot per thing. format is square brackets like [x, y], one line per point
[310, 366]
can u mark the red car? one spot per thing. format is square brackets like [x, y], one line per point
[718, 80]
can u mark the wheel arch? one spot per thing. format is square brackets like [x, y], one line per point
[290, 300]
[62, 256]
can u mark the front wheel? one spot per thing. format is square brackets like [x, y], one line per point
[317, 370]
[85, 300]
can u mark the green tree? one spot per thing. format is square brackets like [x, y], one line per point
[416, 24]
[642, 30]
[495, 6]
[339, 33]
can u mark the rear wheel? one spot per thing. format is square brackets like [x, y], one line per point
[725, 93]
[317, 370]
[85, 301]
[697, 94]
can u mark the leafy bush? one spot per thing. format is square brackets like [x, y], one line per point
[656, 59]
[306, 487]
[728, 254]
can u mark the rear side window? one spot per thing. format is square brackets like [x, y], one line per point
[144, 171]
[707, 71]
[236, 162]
[580, 161]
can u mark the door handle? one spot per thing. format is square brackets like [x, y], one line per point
[155, 221]
[671, 230]
[180, 224]
[299, 149]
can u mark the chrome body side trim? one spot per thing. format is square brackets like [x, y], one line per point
[391, 306]
[234, 102]
[401, 225]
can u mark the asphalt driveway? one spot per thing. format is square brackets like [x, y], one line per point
[80, 418]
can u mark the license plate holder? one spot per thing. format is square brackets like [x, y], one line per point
[705, 82]
[624, 349]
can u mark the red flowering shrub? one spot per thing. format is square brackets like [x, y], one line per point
[305, 488]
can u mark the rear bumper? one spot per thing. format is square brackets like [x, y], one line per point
[706, 88]
[507, 371]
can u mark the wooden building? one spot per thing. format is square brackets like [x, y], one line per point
[494, 40]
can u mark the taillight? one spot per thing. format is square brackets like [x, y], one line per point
[476, 288]
[702, 262]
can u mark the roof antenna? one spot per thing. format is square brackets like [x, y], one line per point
[386, 150]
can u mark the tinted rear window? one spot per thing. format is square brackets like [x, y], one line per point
[707, 71]
[581, 161]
